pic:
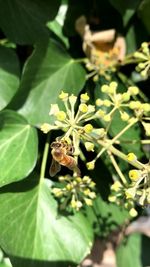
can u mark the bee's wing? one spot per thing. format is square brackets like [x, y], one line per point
[54, 168]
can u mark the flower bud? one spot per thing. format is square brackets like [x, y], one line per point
[88, 201]
[125, 116]
[116, 186]
[134, 175]
[84, 97]
[133, 212]
[131, 157]
[112, 198]
[46, 127]
[63, 96]
[126, 96]
[72, 99]
[89, 146]
[88, 128]
[90, 165]
[105, 88]
[107, 118]
[61, 115]
[83, 108]
[99, 102]
[107, 103]
[134, 90]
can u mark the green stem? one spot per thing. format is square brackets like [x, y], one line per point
[121, 155]
[107, 146]
[122, 177]
[44, 159]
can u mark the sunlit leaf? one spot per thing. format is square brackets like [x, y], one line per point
[49, 71]
[18, 147]
[31, 227]
[129, 252]
[9, 75]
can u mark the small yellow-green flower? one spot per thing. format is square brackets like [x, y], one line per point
[125, 116]
[89, 146]
[130, 193]
[105, 88]
[88, 128]
[90, 165]
[61, 115]
[131, 157]
[107, 103]
[112, 87]
[45, 127]
[133, 212]
[107, 118]
[88, 201]
[99, 102]
[112, 198]
[63, 95]
[84, 97]
[134, 175]
[134, 90]
[116, 186]
[83, 108]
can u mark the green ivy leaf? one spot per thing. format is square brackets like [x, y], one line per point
[18, 147]
[49, 71]
[129, 252]
[26, 19]
[31, 227]
[9, 75]
[106, 217]
[143, 12]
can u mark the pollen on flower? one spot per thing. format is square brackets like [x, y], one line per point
[134, 175]
[131, 157]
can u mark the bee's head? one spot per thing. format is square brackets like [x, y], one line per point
[56, 145]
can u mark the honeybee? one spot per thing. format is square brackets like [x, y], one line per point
[61, 155]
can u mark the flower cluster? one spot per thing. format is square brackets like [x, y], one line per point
[74, 192]
[75, 124]
[137, 191]
[124, 103]
[102, 62]
[75, 121]
[143, 56]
